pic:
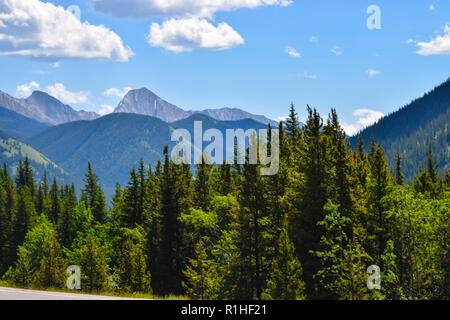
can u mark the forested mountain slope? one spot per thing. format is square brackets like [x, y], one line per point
[409, 130]
[12, 151]
[116, 142]
[19, 126]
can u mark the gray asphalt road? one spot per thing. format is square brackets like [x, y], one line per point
[22, 294]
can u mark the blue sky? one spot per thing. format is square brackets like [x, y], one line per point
[335, 61]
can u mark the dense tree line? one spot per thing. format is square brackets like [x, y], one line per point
[226, 232]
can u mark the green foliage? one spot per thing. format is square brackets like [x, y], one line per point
[52, 271]
[132, 267]
[94, 268]
[202, 280]
[286, 282]
[36, 240]
[229, 233]
[411, 129]
[23, 273]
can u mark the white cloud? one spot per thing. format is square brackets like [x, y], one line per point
[432, 7]
[409, 41]
[186, 35]
[105, 109]
[293, 52]
[140, 9]
[114, 92]
[41, 30]
[336, 50]
[365, 118]
[25, 90]
[59, 91]
[56, 64]
[437, 46]
[372, 72]
[314, 39]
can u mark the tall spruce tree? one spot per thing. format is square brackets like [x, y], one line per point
[399, 176]
[93, 195]
[94, 268]
[175, 192]
[202, 281]
[52, 272]
[292, 125]
[24, 216]
[203, 186]
[285, 281]
[309, 193]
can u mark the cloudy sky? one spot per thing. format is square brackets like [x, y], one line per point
[258, 55]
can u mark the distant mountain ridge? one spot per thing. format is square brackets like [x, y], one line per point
[44, 108]
[116, 142]
[19, 126]
[145, 102]
[235, 114]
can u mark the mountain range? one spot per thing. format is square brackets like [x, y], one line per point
[44, 108]
[145, 102]
[115, 143]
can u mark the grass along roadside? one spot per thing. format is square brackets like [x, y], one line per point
[135, 295]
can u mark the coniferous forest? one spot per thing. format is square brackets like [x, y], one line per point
[226, 232]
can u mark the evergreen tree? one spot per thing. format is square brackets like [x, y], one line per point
[399, 176]
[23, 273]
[341, 163]
[203, 186]
[202, 280]
[52, 272]
[285, 282]
[66, 225]
[5, 229]
[132, 269]
[250, 267]
[292, 125]
[308, 193]
[94, 268]
[379, 180]
[54, 208]
[93, 195]
[132, 211]
[24, 216]
[342, 272]
[175, 192]
[226, 180]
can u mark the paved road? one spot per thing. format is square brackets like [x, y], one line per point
[22, 294]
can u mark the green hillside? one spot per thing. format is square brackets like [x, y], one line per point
[409, 130]
[18, 126]
[116, 142]
[12, 151]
